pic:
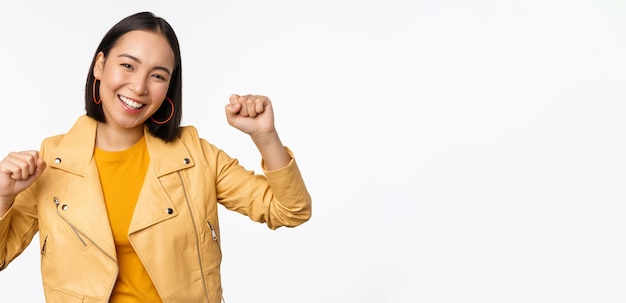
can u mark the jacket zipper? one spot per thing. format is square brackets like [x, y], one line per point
[57, 202]
[43, 247]
[213, 233]
[78, 235]
[193, 221]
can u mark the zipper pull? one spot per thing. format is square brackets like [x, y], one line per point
[213, 233]
[43, 247]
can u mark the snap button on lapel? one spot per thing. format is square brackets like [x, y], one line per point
[65, 207]
[186, 160]
[57, 160]
[170, 211]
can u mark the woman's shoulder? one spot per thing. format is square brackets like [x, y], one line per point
[83, 128]
[189, 131]
[190, 137]
[53, 140]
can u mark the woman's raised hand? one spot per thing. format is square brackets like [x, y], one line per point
[18, 171]
[251, 114]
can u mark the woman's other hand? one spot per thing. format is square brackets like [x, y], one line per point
[18, 170]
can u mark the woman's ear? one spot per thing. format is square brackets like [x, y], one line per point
[98, 65]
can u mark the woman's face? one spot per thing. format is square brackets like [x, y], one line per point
[134, 78]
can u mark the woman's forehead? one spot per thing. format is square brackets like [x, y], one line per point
[145, 45]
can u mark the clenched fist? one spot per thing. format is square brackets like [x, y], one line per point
[251, 114]
[18, 171]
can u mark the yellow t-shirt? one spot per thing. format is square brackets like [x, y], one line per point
[121, 175]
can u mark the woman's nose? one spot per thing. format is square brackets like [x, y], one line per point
[139, 84]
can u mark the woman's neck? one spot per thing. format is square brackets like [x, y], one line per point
[114, 139]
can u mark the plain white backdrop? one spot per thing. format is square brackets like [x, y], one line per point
[456, 151]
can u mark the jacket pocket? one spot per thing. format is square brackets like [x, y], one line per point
[64, 296]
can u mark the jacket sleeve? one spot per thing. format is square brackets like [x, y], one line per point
[18, 226]
[277, 198]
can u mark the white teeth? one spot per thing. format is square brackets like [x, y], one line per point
[131, 103]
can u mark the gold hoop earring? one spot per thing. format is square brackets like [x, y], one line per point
[93, 92]
[168, 118]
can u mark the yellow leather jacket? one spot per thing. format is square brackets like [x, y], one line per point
[174, 230]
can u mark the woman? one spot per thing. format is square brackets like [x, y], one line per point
[125, 202]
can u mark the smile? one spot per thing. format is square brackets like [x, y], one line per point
[131, 103]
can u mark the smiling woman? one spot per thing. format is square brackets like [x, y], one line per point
[125, 202]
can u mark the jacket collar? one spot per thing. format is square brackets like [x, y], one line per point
[75, 151]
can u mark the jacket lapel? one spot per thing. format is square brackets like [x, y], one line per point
[154, 204]
[83, 206]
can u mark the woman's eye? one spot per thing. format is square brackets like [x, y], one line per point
[126, 65]
[159, 77]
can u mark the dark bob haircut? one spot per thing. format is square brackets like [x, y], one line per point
[146, 21]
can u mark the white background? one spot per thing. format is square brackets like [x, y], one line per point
[456, 151]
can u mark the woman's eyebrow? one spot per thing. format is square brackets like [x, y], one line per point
[165, 69]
